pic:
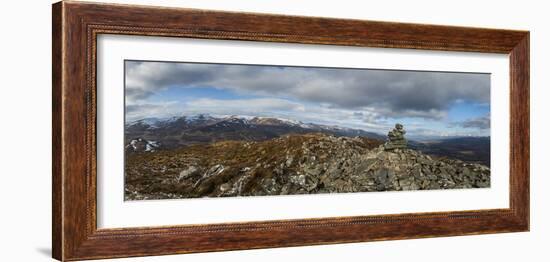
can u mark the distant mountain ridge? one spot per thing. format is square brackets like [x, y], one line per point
[152, 134]
[471, 149]
[200, 129]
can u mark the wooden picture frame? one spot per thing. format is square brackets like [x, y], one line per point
[76, 26]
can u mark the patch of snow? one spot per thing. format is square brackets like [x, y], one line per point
[151, 146]
[133, 144]
[289, 121]
[193, 118]
[237, 119]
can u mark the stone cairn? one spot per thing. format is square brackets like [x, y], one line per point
[396, 138]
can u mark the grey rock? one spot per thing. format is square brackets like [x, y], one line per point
[225, 187]
[270, 186]
[299, 180]
[188, 172]
[212, 172]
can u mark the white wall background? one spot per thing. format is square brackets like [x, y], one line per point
[25, 147]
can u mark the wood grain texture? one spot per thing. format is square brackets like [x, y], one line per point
[57, 195]
[76, 26]
[519, 129]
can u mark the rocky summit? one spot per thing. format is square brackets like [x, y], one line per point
[293, 164]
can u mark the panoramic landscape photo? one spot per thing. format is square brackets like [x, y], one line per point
[197, 130]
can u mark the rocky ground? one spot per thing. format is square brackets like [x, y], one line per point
[292, 164]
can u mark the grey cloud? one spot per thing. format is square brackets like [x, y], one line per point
[390, 93]
[146, 110]
[483, 122]
[260, 106]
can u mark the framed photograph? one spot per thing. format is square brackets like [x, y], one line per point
[182, 130]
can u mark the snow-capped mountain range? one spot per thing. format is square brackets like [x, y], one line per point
[247, 120]
[198, 129]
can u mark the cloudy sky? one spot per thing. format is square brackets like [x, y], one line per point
[426, 103]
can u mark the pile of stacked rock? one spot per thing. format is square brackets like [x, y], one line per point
[396, 138]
